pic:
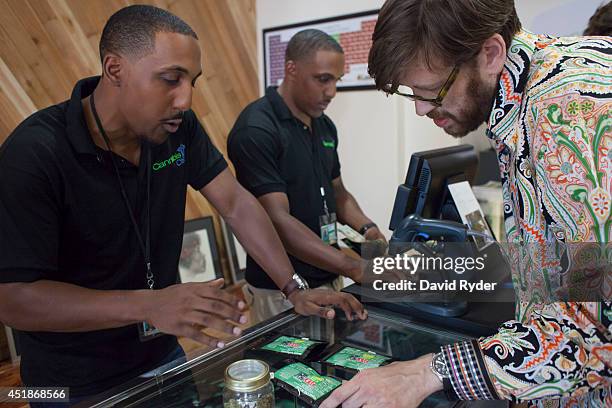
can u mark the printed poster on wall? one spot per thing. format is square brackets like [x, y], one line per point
[353, 32]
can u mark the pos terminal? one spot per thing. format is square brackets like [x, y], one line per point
[426, 219]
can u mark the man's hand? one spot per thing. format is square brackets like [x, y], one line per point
[398, 385]
[321, 302]
[187, 309]
[373, 234]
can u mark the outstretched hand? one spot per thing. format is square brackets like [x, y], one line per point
[321, 302]
[397, 385]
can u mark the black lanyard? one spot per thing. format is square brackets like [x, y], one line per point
[316, 161]
[145, 245]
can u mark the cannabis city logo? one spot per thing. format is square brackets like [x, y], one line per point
[330, 144]
[177, 158]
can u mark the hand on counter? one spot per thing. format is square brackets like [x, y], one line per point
[187, 309]
[321, 302]
[398, 385]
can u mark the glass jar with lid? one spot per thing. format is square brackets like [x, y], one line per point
[247, 385]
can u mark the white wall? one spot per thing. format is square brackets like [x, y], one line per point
[378, 133]
[556, 17]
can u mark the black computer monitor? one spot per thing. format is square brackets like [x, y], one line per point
[425, 190]
[425, 193]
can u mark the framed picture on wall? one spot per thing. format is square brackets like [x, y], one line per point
[199, 261]
[352, 31]
[235, 253]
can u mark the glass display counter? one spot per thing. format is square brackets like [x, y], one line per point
[199, 381]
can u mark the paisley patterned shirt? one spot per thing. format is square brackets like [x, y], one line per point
[552, 126]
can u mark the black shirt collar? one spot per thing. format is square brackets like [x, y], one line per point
[281, 109]
[78, 133]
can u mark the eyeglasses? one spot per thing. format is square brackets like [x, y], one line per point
[437, 101]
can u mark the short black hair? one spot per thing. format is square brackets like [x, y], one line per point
[306, 42]
[131, 30]
[600, 22]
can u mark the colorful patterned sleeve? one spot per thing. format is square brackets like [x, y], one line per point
[551, 356]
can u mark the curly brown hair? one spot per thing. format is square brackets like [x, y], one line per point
[600, 23]
[435, 31]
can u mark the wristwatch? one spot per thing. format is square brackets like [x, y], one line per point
[296, 283]
[439, 368]
[364, 228]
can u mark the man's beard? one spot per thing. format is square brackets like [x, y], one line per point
[476, 109]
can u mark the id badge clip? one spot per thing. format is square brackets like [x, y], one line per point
[329, 230]
[147, 331]
[327, 223]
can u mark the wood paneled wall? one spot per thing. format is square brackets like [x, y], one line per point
[47, 45]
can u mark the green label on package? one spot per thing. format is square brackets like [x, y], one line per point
[289, 345]
[306, 380]
[356, 359]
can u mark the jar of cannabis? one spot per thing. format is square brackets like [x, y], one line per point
[247, 385]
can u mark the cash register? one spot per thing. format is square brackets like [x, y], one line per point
[424, 211]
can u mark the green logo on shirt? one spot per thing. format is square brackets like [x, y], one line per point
[329, 143]
[178, 158]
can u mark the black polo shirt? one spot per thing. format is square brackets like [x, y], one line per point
[273, 151]
[63, 219]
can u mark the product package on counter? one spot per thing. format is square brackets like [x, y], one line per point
[353, 359]
[305, 383]
[298, 348]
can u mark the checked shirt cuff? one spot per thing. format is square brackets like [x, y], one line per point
[468, 373]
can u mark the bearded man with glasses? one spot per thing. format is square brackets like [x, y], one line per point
[547, 105]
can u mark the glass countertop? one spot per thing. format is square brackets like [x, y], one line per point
[199, 381]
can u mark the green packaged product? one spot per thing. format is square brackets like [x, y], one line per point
[293, 346]
[305, 383]
[355, 359]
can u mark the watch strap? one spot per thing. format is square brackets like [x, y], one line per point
[365, 227]
[296, 283]
[438, 366]
[290, 287]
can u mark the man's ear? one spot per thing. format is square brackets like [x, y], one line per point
[290, 69]
[492, 56]
[113, 66]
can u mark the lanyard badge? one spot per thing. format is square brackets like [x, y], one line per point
[146, 331]
[327, 223]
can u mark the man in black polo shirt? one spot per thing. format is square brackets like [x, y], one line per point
[285, 152]
[92, 200]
